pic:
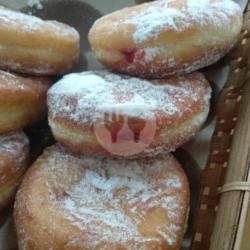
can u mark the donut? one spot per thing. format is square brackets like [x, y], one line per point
[166, 38]
[14, 152]
[33, 46]
[102, 204]
[22, 100]
[102, 113]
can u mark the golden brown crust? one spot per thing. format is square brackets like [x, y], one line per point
[75, 216]
[14, 152]
[163, 38]
[22, 100]
[33, 46]
[178, 108]
[165, 140]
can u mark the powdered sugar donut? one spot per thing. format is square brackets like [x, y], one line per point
[89, 203]
[164, 38]
[22, 100]
[33, 46]
[14, 151]
[101, 113]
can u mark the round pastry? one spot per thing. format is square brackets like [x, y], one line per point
[101, 113]
[22, 100]
[164, 38]
[14, 152]
[102, 204]
[33, 46]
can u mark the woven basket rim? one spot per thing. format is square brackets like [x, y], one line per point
[218, 168]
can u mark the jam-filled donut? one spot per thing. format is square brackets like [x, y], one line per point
[33, 46]
[22, 100]
[164, 38]
[14, 152]
[98, 112]
[68, 202]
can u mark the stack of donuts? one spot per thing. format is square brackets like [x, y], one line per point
[31, 50]
[110, 181]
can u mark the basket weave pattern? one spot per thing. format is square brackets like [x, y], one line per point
[230, 104]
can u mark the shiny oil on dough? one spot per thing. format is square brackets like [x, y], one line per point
[33, 46]
[14, 152]
[102, 204]
[164, 38]
[178, 105]
[22, 100]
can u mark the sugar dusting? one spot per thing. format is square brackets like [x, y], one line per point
[10, 82]
[13, 146]
[83, 97]
[31, 24]
[13, 85]
[41, 68]
[112, 198]
[163, 15]
[13, 142]
[156, 55]
[148, 64]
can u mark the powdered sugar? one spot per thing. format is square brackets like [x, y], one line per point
[14, 146]
[169, 37]
[13, 142]
[84, 97]
[164, 15]
[110, 200]
[154, 20]
[10, 82]
[150, 62]
[31, 24]
[151, 53]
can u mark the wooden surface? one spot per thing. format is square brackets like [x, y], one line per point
[233, 206]
[221, 218]
[246, 235]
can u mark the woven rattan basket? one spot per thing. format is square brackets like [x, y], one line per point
[222, 216]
